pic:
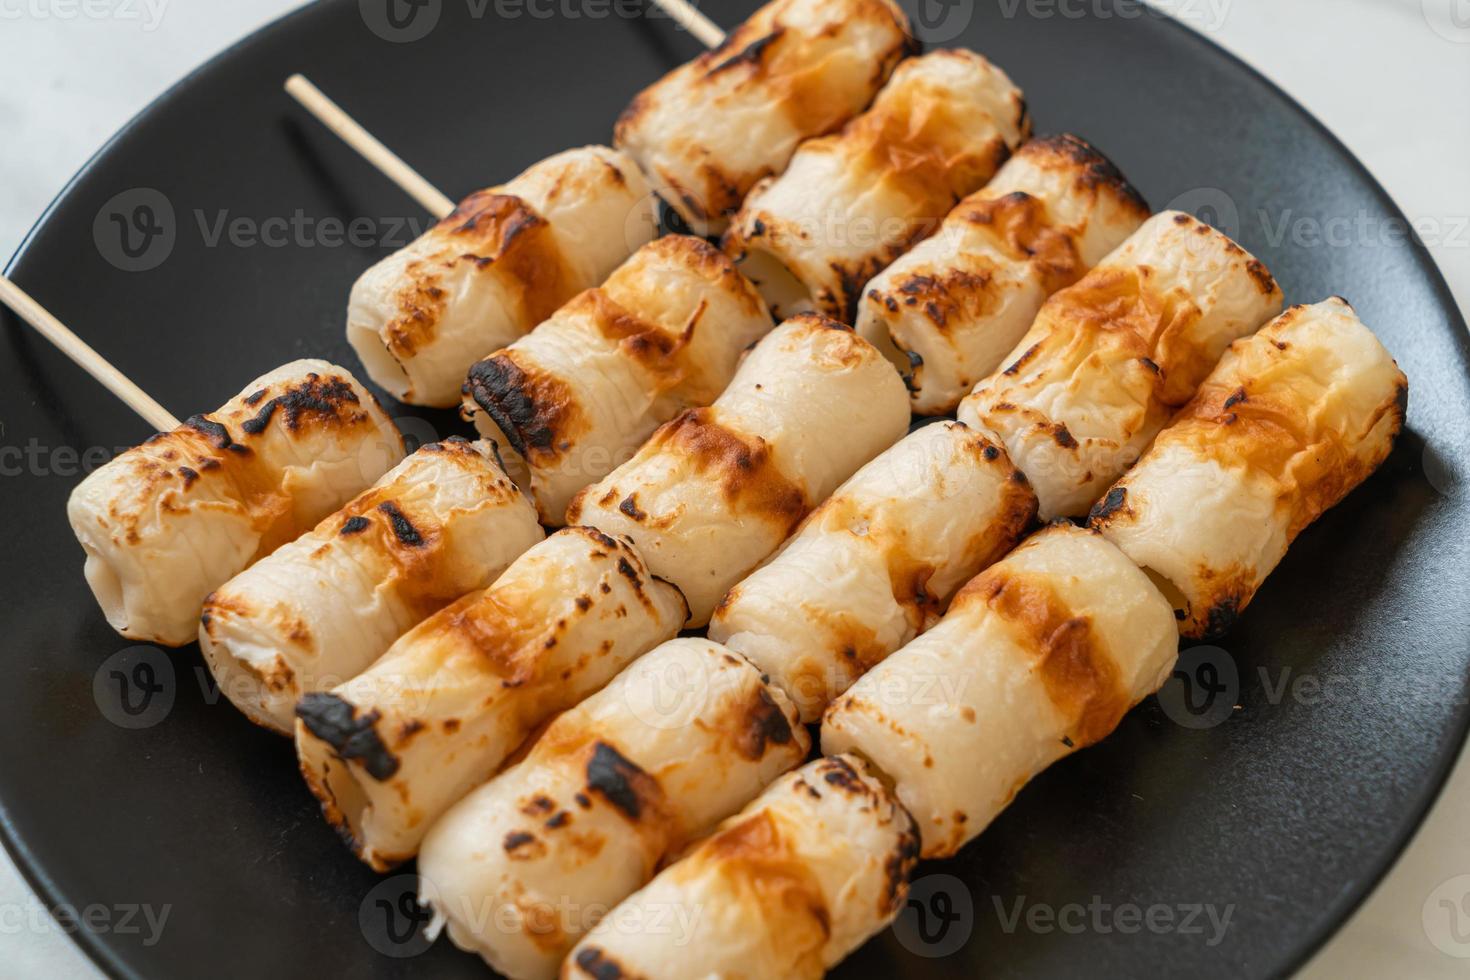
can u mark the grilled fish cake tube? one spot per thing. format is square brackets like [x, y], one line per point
[798, 880]
[1040, 655]
[168, 522]
[717, 489]
[578, 395]
[947, 311]
[680, 740]
[320, 609]
[707, 131]
[390, 750]
[1110, 359]
[850, 204]
[489, 272]
[1289, 422]
[876, 563]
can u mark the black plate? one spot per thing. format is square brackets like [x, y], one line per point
[1285, 812]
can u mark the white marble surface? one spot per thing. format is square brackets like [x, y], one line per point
[1390, 77]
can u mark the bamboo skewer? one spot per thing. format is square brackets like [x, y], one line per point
[688, 17]
[392, 166]
[85, 357]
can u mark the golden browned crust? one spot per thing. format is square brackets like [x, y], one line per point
[1079, 676]
[486, 229]
[742, 468]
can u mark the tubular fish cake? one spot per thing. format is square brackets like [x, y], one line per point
[1289, 422]
[1040, 655]
[168, 522]
[851, 203]
[947, 311]
[707, 131]
[1107, 361]
[578, 395]
[875, 565]
[489, 272]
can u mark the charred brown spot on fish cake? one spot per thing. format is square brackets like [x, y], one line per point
[536, 410]
[335, 721]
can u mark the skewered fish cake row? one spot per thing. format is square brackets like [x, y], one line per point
[1044, 652]
[714, 491]
[320, 609]
[167, 522]
[953, 306]
[1040, 655]
[708, 130]
[849, 204]
[1108, 360]
[502, 262]
[391, 749]
[576, 396]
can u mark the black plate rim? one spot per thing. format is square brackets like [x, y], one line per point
[105, 957]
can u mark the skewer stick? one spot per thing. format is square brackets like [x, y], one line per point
[392, 166]
[696, 23]
[85, 357]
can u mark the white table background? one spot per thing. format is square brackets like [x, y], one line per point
[1390, 77]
